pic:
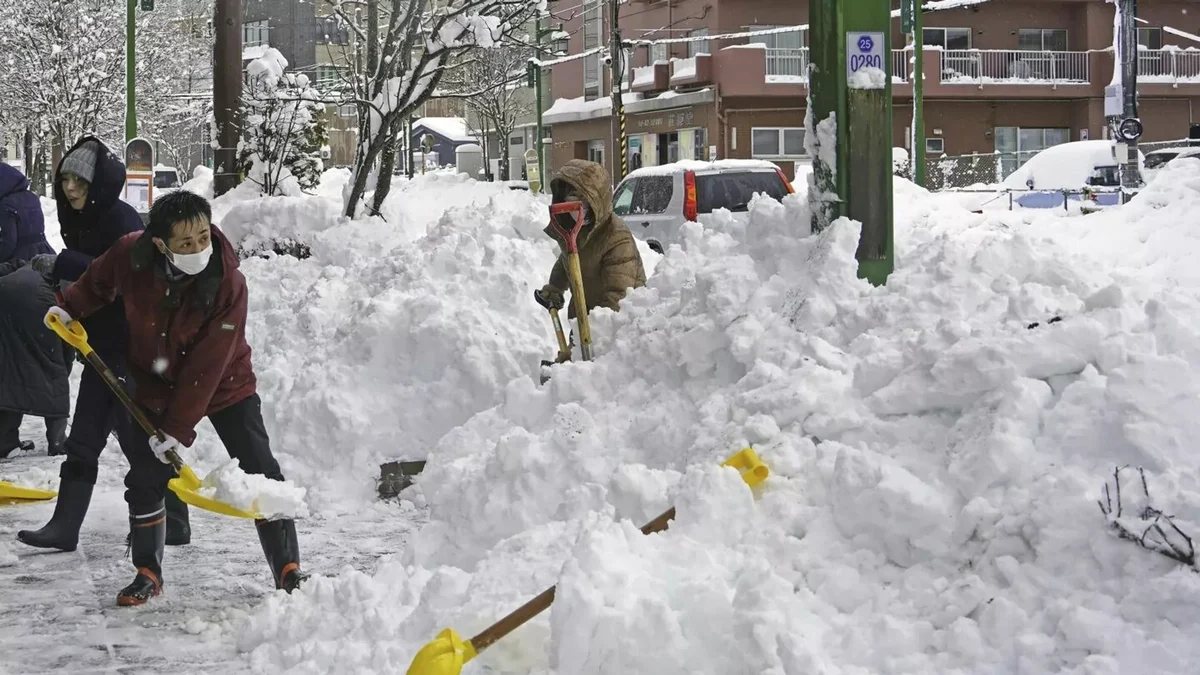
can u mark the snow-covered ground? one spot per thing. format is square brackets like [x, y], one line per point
[936, 460]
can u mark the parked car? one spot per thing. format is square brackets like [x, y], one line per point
[1157, 159]
[655, 201]
[166, 180]
[1064, 172]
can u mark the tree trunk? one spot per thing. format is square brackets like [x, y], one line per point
[27, 143]
[387, 165]
[504, 173]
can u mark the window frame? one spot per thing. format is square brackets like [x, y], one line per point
[698, 46]
[945, 31]
[1042, 32]
[771, 41]
[262, 32]
[1149, 31]
[935, 139]
[780, 145]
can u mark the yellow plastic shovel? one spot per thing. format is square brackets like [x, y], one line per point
[11, 493]
[188, 484]
[448, 652]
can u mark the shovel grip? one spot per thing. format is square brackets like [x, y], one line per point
[563, 347]
[575, 275]
[571, 236]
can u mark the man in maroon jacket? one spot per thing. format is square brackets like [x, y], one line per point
[185, 302]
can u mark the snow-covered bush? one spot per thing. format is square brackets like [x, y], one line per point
[283, 128]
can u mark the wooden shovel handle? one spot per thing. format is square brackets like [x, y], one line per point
[527, 611]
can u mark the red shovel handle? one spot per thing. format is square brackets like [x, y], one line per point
[570, 236]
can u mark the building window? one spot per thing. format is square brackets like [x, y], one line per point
[592, 27]
[658, 53]
[698, 46]
[256, 34]
[1017, 144]
[516, 140]
[331, 31]
[596, 151]
[935, 146]
[776, 142]
[795, 39]
[947, 38]
[1150, 38]
[1042, 39]
[330, 78]
[348, 110]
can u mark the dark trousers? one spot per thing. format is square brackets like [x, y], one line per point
[240, 428]
[10, 424]
[98, 412]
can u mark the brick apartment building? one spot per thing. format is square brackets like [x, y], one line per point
[1013, 76]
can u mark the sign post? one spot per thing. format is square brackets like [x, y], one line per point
[850, 108]
[139, 174]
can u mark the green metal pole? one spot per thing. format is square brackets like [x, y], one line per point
[851, 107]
[541, 151]
[919, 164]
[130, 72]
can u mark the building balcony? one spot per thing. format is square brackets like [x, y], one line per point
[979, 67]
[1169, 66]
[655, 77]
[694, 71]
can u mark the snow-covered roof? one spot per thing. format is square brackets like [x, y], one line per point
[699, 166]
[1063, 167]
[453, 128]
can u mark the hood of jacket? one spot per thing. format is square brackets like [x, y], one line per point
[591, 181]
[105, 188]
[11, 180]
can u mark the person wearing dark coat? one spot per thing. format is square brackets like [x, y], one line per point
[34, 381]
[92, 218]
[186, 302]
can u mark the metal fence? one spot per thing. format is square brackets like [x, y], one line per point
[978, 66]
[1168, 66]
[791, 62]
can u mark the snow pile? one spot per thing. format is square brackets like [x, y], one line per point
[33, 477]
[936, 464]
[7, 558]
[1063, 167]
[254, 492]
[394, 331]
[868, 78]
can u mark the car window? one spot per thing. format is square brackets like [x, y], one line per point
[166, 179]
[624, 197]
[1157, 159]
[652, 194]
[734, 191]
[1105, 176]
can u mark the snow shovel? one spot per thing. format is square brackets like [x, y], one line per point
[11, 493]
[574, 274]
[188, 484]
[448, 652]
[564, 348]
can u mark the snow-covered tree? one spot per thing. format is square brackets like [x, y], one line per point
[499, 98]
[409, 47]
[283, 128]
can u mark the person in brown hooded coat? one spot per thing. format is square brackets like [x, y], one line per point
[608, 256]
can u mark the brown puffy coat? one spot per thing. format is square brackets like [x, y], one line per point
[608, 256]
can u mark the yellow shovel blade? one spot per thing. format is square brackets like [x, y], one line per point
[750, 466]
[445, 655]
[15, 494]
[187, 487]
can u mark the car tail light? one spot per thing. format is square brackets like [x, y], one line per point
[689, 195]
[786, 183]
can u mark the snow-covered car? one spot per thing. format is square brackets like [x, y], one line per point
[1157, 159]
[655, 201]
[166, 180]
[1074, 166]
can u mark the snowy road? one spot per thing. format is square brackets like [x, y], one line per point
[58, 612]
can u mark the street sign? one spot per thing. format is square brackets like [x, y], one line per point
[863, 51]
[147, 5]
[139, 174]
[906, 16]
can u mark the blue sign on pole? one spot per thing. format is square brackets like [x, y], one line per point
[865, 44]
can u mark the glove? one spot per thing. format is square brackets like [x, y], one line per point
[59, 312]
[160, 448]
[549, 297]
[44, 264]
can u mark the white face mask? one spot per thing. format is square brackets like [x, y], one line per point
[192, 264]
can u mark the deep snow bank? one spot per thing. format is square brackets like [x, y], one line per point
[936, 465]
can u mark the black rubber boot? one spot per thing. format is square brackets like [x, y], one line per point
[179, 529]
[56, 436]
[279, 543]
[62, 532]
[148, 533]
[10, 424]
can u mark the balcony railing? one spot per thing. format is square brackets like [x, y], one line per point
[979, 67]
[901, 64]
[1168, 66]
[787, 65]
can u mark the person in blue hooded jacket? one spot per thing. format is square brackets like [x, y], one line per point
[87, 188]
[35, 372]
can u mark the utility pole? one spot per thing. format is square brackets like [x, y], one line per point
[912, 23]
[618, 76]
[1127, 129]
[227, 91]
[537, 85]
[130, 71]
